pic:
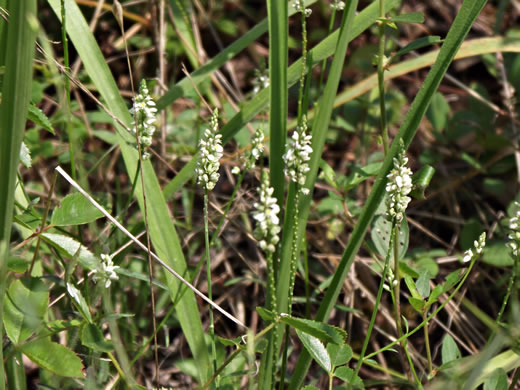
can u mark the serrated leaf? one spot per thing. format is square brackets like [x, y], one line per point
[54, 357]
[316, 349]
[324, 332]
[381, 233]
[91, 337]
[419, 44]
[266, 315]
[348, 375]
[339, 354]
[79, 302]
[75, 209]
[25, 155]
[412, 17]
[69, 247]
[24, 308]
[37, 116]
[450, 351]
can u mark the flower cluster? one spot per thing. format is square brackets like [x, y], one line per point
[479, 246]
[337, 5]
[257, 149]
[210, 153]
[143, 111]
[265, 214]
[297, 156]
[398, 187]
[106, 272]
[299, 6]
[260, 80]
[514, 235]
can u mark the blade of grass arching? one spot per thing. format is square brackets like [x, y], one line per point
[183, 29]
[184, 86]
[162, 231]
[278, 20]
[464, 20]
[16, 94]
[321, 51]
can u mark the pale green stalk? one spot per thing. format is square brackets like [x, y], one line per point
[381, 77]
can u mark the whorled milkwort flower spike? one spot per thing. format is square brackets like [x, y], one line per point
[266, 217]
[106, 271]
[260, 80]
[257, 149]
[210, 153]
[297, 156]
[143, 112]
[479, 247]
[514, 234]
[299, 6]
[337, 5]
[398, 187]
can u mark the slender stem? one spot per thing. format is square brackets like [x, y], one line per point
[208, 274]
[509, 290]
[427, 345]
[381, 76]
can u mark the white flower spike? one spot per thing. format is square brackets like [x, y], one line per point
[337, 5]
[299, 6]
[297, 156]
[514, 234]
[398, 187]
[479, 247]
[143, 112]
[266, 217]
[210, 153]
[106, 272]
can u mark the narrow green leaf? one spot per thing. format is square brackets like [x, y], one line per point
[75, 209]
[79, 301]
[411, 286]
[412, 17]
[25, 307]
[319, 330]
[54, 357]
[316, 349]
[421, 180]
[266, 315]
[497, 380]
[419, 44]
[436, 293]
[450, 351]
[91, 337]
[70, 247]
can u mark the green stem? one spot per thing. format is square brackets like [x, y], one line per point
[509, 290]
[208, 273]
[427, 345]
[381, 77]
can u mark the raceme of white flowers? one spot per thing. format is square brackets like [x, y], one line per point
[398, 187]
[299, 6]
[143, 111]
[297, 156]
[337, 5]
[210, 153]
[266, 217]
[514, 235]
[257, 149]
[479, 247]
[106, 272]
[260, 80]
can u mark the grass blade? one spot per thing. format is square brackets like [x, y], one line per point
[458, 31]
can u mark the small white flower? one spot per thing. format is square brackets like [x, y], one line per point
[266, 217]
[260, 80]
[106, 271]
[143, 112]
[479, 247]
[299, 6]
[514, 235]
[210, 153]
[297, 156]
[235, 170]
[398, 187]
[337, 5]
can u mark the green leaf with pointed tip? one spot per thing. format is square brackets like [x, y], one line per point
[421, 180]
[54, 357]
[38, 117]
[410, 283]
[75, 209]
[79, 302]
[450, 351]
[91, 337]
[436, 293]
[423, 283]
[418, 44]
[69, 247]
[266, 315]
[417, 304]
[412, 17]
[24, 308]
[319, 330]
[339, 354]
[316, 349]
